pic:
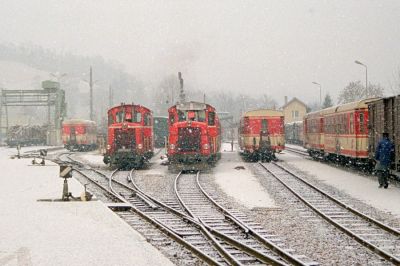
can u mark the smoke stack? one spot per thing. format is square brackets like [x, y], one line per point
[285, 100]
[182, 97]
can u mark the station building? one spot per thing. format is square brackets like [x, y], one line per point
[294, 110]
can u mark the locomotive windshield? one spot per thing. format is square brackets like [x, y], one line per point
[198, 115]
[125, 116]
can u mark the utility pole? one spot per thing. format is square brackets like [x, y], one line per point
[182, 97]
[91, 94]
[110, 97]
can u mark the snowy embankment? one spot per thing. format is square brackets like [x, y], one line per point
[61, 233]
[240, 184]
[358, 186]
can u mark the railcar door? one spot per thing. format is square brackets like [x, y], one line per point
[72, 135]
[265, 141]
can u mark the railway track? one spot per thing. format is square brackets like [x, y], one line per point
[236, 226]
[222, 238]
[378, 237]
[297, 151]
[137, 209]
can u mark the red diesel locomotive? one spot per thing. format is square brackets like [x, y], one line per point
[261, 134]
[79, 134]
[130, 136]
[194, 139]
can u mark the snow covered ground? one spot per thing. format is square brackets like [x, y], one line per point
[61, 233]
[240, 184]
[358, 186]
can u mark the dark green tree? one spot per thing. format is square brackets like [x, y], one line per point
[327, 101]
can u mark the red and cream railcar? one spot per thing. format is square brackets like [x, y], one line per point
[194, 139]
[344, 133]
[130, 136]
[261, 134]
[313, 133]
[79, 134]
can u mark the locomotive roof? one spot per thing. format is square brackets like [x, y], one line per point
[192, 106]
[135, 105]
[263, 112]
[76, 121]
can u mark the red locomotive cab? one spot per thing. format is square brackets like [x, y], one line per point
[130, 136]
[194, 135]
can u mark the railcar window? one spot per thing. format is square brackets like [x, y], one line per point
[352, 123]
[361, 123]
[264, 125]
[211, 118]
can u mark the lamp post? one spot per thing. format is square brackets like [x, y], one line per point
[320, 97]
[366, 77]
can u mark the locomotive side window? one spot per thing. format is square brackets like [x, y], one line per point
[181, 116]
[171, 118]
[147, 120]
[138, 117]
[211, 118]
[110, 119]
[201, 116]
[120, 116]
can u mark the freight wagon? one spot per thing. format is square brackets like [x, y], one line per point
[384, 116]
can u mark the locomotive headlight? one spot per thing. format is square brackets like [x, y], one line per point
[140, 146]
[108, 146]
[206, 146]
[172, 146]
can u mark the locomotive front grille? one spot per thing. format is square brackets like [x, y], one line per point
[125, 140]
[189, 139]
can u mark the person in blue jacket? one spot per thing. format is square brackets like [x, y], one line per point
[384, 155]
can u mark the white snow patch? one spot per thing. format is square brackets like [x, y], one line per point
[94, 158]
[241, 184]
[357, 186]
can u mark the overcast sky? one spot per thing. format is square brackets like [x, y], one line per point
[273, 47]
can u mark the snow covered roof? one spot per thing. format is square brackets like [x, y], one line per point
[192, 106]
[344, 107]
[76, 121]
[263, 112]
[294, 99]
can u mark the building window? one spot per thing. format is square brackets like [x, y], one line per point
[295, 114]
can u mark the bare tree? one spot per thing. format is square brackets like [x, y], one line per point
[356, 91]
